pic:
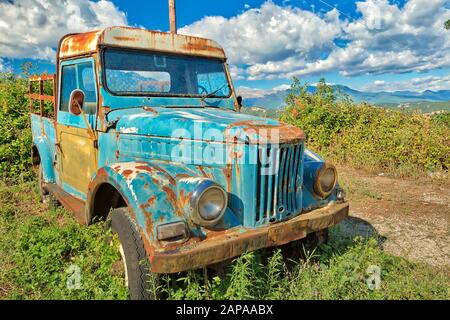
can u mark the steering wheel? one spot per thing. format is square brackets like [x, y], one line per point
[203, 89]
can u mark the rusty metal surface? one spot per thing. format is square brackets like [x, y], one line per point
[44, 77]
[74, 205]
[79, 44]
[36, 96]
[88, 43]
[40, 96]
[263, 133]
[230, 244]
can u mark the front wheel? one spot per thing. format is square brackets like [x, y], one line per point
[142, 284]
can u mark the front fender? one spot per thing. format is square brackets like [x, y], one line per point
[149, 190]
[313, 162]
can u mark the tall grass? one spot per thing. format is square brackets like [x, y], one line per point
[38, 248]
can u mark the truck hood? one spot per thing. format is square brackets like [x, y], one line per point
[206, 124]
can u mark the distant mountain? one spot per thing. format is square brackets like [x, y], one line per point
[388, 99]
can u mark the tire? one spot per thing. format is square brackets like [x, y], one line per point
[44, 195]
[141, 282]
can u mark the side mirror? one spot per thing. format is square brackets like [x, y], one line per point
[239, 101]
[76, 102]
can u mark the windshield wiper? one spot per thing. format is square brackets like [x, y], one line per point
[212, 94]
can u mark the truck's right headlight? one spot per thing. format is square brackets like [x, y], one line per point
[208, 203]
[326, 179]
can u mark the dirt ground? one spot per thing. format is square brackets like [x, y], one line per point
[410, 217]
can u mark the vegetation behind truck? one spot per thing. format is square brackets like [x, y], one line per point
[147, 133]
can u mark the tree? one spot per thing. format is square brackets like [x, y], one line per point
[447, 25]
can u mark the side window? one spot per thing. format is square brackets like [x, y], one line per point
[79, 76]
[69, 83]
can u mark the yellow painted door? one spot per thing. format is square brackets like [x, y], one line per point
[77, 159]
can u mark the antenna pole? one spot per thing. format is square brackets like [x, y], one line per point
[173, 16]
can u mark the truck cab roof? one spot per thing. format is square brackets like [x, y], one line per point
[125, 37]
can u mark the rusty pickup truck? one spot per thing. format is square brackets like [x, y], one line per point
[147, 134]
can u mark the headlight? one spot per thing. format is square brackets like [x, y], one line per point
[326, 179]
[208, 203]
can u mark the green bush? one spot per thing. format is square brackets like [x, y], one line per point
[15, 130]
[368, 136]
[442, 118]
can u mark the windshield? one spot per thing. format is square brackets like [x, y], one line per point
[148, 73]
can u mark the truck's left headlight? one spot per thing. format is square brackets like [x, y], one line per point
[326, 179]
[208, 203]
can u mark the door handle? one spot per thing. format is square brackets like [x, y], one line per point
[58, 146]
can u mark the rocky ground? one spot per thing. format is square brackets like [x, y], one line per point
[410, 217]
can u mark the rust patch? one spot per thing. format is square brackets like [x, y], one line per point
[125, 38]
[228, 176]
[171, 196]
[152, 200]
[151, 110]
[202, 170]
[184, 199]
[75, 205]
[149, 224]
[145, 168]
[150, 169]
[127, 173]
[79, 44]
[202, 45]
[156, 181]
[265, 133]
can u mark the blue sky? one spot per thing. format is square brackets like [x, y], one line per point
[370, 45]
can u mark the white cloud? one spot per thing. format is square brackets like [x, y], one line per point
[247, 92]
[32, 28]
[282, 87]
[434, 83]
[379, 83]
[269, 33]
[274, 42]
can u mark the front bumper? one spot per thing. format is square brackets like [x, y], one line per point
[231, 243]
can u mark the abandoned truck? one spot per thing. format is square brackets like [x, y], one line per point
[147, 133]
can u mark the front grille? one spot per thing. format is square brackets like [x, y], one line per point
[279, 183]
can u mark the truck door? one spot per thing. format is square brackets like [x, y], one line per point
[77, 156]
